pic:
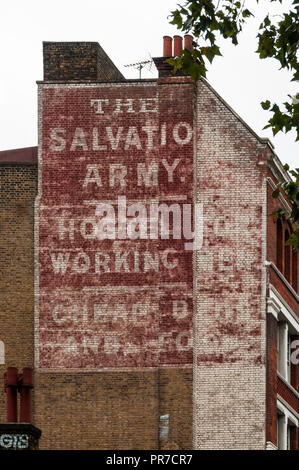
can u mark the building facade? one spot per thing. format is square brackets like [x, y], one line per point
[143, 278]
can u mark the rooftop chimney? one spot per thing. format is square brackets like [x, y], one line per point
[165, 69]
[84, 61]
[167, 46]
[188, 40]
[177, 45]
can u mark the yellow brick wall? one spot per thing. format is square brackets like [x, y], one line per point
[18, 185]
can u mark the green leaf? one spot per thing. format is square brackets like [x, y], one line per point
[267, 21]
[265, 104]
[246, 13]
[279, 213]
[278, 39]
[293, 241]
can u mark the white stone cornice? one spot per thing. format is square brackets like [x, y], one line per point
[281, 199]
[270, 446]
[287, 284]
[281, 309]
[273, 307]
[287, 410]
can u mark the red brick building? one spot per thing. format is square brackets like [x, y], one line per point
[140, 338]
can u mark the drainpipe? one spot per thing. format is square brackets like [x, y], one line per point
[10, 387]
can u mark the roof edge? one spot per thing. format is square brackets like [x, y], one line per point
[273, 161]
[24, 156]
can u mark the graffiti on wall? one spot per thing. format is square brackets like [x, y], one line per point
[14, 441]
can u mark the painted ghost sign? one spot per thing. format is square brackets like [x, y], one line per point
[113, 221]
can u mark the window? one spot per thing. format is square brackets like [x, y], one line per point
[289, 358]
[288, 437]
[295, 270]
[282, 348]
[281, 431]
[286, 425]
[279, 246]
[284, 351]
[287, 258]
[2, 354]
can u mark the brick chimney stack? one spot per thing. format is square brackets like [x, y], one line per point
[172, 48]
[81, 61]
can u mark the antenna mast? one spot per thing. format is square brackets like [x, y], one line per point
[139, 65]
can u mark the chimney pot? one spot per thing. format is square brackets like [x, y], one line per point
[167, 46]
[12, 377]
[188, 39]
[178, 45]
[26, 384]
[11, 382]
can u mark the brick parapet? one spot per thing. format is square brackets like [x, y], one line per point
[78, 61]
[23, 156]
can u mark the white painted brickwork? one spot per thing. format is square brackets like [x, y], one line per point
[229, 349]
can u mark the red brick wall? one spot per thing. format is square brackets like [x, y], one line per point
[272, 245]
[279, 285]
[157, 334]
[146, 314]
[294, 438]
[287, 395]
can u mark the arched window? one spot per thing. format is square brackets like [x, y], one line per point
[287, 257]
[279, 245]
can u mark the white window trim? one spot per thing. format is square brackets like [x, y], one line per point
[271, 446]
[277, 306]
[288, 411]
[284, 280]
[289, 417]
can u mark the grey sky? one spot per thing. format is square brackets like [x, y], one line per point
[129, 31]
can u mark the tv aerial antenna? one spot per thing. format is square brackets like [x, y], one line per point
[140, 65]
